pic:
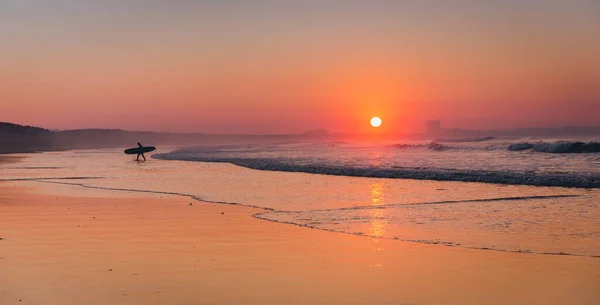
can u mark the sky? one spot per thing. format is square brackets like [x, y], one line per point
[290, 66]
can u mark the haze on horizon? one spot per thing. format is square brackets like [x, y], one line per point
[289, 66]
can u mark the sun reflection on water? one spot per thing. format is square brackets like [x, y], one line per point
[378, 221]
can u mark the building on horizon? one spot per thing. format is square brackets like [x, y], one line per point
[433, 127]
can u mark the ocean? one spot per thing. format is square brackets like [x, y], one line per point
[481, 194]
[530, 161]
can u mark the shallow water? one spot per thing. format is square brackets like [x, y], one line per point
[474, 215]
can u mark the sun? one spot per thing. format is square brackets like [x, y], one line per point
[375, 121]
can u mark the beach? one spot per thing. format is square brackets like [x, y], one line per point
[111, 244]
[300, 152]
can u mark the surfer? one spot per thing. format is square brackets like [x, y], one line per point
[142, 154]
[139, 151]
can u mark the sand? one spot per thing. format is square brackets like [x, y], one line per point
[148, 249]
[10, 159]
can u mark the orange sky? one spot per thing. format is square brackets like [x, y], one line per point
[268, 67]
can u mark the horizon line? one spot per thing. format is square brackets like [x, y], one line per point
[307, 132]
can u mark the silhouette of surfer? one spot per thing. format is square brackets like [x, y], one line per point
[142, 154]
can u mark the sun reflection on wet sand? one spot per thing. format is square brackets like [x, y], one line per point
[68, 246]
[378, 221]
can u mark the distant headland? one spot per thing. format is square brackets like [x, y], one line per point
[16, 138]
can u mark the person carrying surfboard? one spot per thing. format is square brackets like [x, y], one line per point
[139, 151]
[142, 154]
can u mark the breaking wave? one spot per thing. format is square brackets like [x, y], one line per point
[439, 174]
[559, 147]
[466, 140]
[432, 146]
[520, 146]
[565, 147]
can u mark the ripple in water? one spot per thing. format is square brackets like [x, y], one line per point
[569, 226]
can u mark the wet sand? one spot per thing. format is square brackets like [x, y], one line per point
[10, 159]
[149, 249]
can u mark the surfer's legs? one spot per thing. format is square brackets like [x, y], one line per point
[144, 157]
[138, 157]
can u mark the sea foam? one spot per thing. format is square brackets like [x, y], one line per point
[440, 174]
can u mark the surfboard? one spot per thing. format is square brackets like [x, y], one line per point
[139, 150]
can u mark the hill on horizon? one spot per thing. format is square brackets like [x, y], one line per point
[15, 138]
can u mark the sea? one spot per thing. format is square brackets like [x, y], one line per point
[528, 195]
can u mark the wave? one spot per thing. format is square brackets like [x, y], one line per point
[565, 147]
[466, 140]
[520, 146]
[432, 146]
[438, 147]
[439, 174]
[560, 147]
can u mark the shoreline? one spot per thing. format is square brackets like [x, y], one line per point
[177, 251]
[266, 210]
[440, 175]
[63, 243]
[10, 158]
